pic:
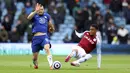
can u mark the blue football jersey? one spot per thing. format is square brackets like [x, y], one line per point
[40, 23]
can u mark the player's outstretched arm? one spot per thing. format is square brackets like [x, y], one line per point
[80, 34]
[37, 8]
[99, 58]
[51, 27]
[98, 52]
[30, 16]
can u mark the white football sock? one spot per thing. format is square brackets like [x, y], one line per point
[50, 60]
[85, 58]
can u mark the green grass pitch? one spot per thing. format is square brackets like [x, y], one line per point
[23, 64]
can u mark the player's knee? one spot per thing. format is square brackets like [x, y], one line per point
[75, 50]
[47, 47]
[47, 50]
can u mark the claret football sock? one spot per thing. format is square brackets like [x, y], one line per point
[73, 54]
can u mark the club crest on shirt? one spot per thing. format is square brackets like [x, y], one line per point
[42, 20]
[94, 39]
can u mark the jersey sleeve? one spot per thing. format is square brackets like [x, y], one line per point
[80, 34]
[98, 47]
[33, 19]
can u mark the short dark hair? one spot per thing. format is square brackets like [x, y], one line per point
[95, 26]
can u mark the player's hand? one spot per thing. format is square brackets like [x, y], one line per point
[51, 30]
[37, 7]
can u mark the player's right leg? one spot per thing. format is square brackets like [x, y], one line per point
[81, 60]
[35, 51]
[35, 58]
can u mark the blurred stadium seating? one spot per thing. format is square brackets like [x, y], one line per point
[64, 19]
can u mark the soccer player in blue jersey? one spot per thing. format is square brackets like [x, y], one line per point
[41, 26]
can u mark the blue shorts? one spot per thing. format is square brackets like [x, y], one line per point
[38, 42]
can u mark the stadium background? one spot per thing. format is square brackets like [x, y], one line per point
[112, 17]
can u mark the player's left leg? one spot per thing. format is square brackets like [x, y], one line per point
[81, 56]
[72, 54]
[77, 52]
[49, 56]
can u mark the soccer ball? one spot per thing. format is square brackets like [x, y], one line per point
[56, 65]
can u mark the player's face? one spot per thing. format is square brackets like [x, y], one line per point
[41, 11]
[93, 30]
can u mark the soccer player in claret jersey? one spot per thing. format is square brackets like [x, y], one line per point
[40, 27]
[87, 44]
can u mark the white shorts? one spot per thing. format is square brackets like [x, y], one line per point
[81, 52]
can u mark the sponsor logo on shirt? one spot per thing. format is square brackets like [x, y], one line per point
[92, 42]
